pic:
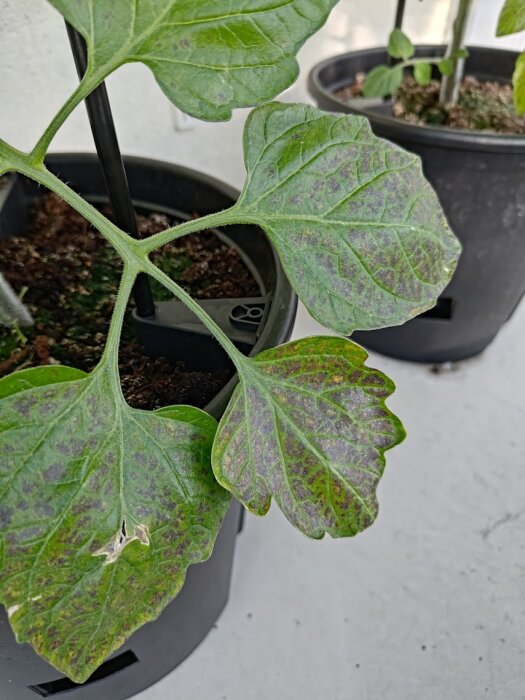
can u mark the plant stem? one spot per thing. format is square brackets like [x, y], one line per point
[220, 218]
[127, 248]
[133, 252]
[236, 356]
[450, 84]
[111, 351]
[84, 88]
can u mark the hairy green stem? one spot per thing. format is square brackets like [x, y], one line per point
[220, 218]
[111, 351]
[84, 88]
[236, 356]
[450, 83]
[133, 252]
[412, 62]
[22, 163]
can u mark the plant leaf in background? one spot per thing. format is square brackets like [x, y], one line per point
[31, 379]
[422, 73]
[208, 57]
[399, 45]
[446, 66]
[100, 505]
[5, 165]
[383, 81]
[309, 427]
[359, 231]
[512, 18]
[518, 83]
[511, 21]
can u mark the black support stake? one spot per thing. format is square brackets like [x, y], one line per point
[398, 23]
[106, 142]
[400, 13]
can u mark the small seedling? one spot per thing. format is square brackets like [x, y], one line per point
[385, 80]
[512, 21]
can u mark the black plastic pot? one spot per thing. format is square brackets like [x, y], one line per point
[480, 181]
[160, 646]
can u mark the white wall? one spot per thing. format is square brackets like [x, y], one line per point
[37, 74]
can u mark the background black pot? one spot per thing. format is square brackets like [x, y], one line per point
[160, 646]
[480, 180]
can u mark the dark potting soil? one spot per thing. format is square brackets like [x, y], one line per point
[68, 275]
[482, 106]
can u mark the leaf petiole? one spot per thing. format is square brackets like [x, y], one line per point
[111, 351]
[215, 220]
[134, 253]
[84, 88]
[236, 356]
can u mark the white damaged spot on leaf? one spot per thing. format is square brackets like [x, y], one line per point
[120, 541]
[15, 608]
[98, 438]
[12, 610]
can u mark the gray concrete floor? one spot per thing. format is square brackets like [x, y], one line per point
[429, 604]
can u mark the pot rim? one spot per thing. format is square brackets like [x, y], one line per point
[442, 136]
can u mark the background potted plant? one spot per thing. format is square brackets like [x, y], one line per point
[104, 506]
[472, 144]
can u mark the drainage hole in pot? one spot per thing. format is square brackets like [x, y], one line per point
[444, 309]
[64, 685]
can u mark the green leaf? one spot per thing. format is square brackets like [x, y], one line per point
[400, 46]
[5, 164]
[102, 509]
[358, 229]
[382, 81]
[518, 82]
[35, 377]
[309, 428]
[512, 18]
[208, 57]
[446, 66]
[460, 53]
[423, 73]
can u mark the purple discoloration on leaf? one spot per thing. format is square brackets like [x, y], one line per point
[85, 525]
[309, 428]
[358, 229]
[207, 57]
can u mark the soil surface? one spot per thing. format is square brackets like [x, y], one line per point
[68, 277]
[482, 106]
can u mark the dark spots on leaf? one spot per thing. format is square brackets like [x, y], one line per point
[54, 472]
[27, 487]
[24, 405]
[62, 447]
[139, 458]
[5, 516]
